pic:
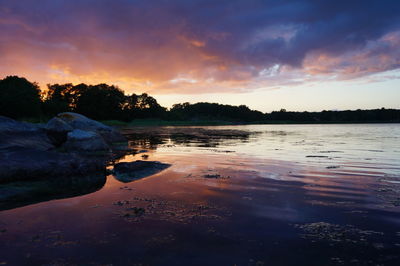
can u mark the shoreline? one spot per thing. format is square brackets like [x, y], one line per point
[158, 123]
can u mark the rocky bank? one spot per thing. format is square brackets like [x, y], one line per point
[69, 144]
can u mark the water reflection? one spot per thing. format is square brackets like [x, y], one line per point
[186, 136]
[18, 194]
[127, 172]
[321, 192]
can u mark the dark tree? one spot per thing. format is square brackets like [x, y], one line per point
[62, 98]
[149, 107]
[130, 107]
[214, 111]
[101, 102]
[56, 99]
[142, 106]
[19, 98]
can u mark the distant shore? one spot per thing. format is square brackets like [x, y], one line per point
[111, 104]
[160, 122]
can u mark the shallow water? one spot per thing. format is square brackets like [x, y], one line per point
[234, 195]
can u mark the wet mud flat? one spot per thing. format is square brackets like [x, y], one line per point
[218, 205]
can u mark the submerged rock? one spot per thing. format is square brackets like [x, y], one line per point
[335, 233]
[212, 176]
[130, 171]
[134, 212]
[215, 176]
[80, 140]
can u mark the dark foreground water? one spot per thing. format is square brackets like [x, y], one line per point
[240, 195]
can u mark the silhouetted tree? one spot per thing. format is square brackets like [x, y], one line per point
[149, 107]
[19, 98]
[62, 98]
[142, 106]
[214, 111]
[102, 102]
[56, 99]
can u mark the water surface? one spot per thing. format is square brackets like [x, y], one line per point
[234, 195]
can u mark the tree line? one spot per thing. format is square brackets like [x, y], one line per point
[21, 99]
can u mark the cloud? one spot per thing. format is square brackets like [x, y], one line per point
[224, 46]
[376, 56]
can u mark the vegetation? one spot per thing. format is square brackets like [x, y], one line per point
[214, 111]
[101, 102]
[348, 116]
[21, 99]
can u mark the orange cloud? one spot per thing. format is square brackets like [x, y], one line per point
[168, 48]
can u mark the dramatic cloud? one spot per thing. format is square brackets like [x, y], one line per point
[198, 46]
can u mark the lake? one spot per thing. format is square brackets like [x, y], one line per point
[233, 195]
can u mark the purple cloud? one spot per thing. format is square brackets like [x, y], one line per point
[221, 45]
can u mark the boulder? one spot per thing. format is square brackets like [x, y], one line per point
[19, 134]
[130, 171]
[21, 163]
[28, 151]
[11, 125]
[81, 140]
[77, 121]
[58, 125]
[57, 130]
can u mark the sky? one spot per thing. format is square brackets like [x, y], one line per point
[267, 54]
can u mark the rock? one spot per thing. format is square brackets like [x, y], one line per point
[81, 140]
[57, 130]
[20, 163]
[216, 176]
[212, 176]
[134, 212]
[336, 233]
[11, 125]
[26, 153]
[77, 121]
[58, 125]
[130, 171]
[19, 134]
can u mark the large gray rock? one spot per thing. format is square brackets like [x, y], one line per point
[19, 134]
[58, 125]
[8, 125]
[77, 121]
[81, 140]
[19, 163]
[27, 153]
[57, 130]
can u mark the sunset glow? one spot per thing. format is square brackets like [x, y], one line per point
[221, 51]
[200, 132]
